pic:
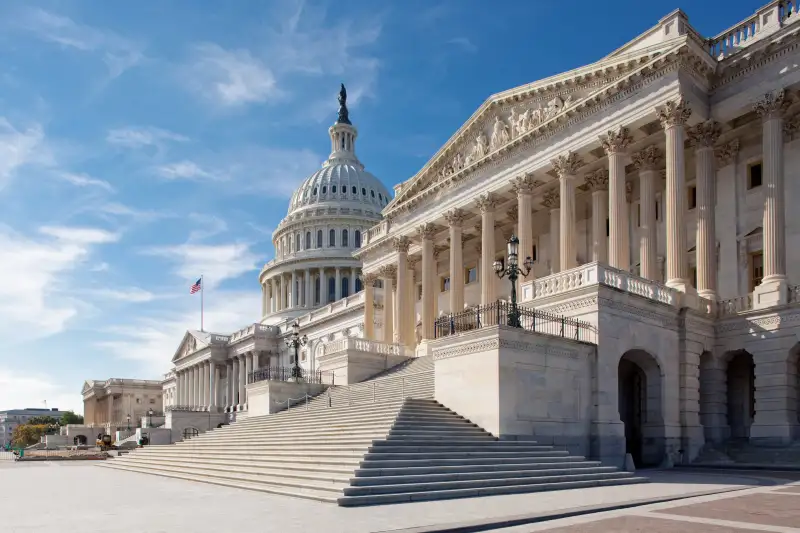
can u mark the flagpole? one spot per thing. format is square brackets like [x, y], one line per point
[202, 290]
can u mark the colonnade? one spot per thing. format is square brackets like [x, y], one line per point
[610, 199]
[200, 385]
[297, 289]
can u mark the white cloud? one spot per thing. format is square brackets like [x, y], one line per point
[99, 267]
[231, 77]
[19, 148]
[206, 226]
[33, 274]
[118, 53]
[122, 210]
[154, 340]
[84, 180]
[187, 170]
[216, 263]
[132, 294]
[138, 137]
[18, 391]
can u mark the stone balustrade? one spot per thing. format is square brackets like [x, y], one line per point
[730, 41]
[345, 344]
[733, 306]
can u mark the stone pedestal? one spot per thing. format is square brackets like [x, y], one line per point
[268, 397]
[352, 360]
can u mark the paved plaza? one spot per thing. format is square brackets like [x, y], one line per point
[84, 497]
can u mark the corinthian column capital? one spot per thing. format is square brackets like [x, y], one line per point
[704, 134]
[486, 202]
[427, 230]
[650, 158]
[772, 105]
[674, 113]
[616, 141]
[523, 184]
[567, 164]
[455, 217]
[552, 199]
[597, 180]
[726, 154]
[401, 244]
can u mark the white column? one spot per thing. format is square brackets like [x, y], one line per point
[204, 383]
[773, 289]
[309, 300]
[619, 254]
[429, 280]
[566, 166]
[703, 137]
[552, 200]
[255, 359]
[369, 306]
[197, 384]
[338, 291]
[293, 291]
[410, 295]
[648, 162]
[401, 245]
[248, 368]
[352, 283]
[242, 383]
[486, 204]
[673, 117]
[598, 184]
[229, 403]
[235, 383]
[214, 379]
[388, 275]
[455, 219]
[522, 186]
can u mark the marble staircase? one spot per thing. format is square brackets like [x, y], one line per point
[373, 447]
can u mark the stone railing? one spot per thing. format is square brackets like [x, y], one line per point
[733, 306]
[633, 284]
[730, 41]
[249, 330]
[345, 344]
[378, 230]
[330, 309]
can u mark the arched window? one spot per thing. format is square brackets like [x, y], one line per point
[363, 191]
[380, 197]
[315, 191]
[345, 240]
[331, 289]
[308, 240]
[345, 287]
[297, 243]
[357, 239]
[333, 189]
[359, 286]
[371, 192]
[342, 143]
[355, 191]
[332, 238]
[324, 189]
[316, 291]
[319, 238]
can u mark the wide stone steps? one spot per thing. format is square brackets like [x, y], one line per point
[402, 449]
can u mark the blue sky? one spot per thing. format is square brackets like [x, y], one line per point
[145, 143]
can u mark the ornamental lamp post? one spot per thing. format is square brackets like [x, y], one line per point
[296, 341]
[129, 422]
[150, 417]
[513, 271]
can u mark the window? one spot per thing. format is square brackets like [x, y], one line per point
[324, 189]
[372, 193]
[692, 197]
[332, 238]
[331, 289]
[319, 238]
[345, 287]
[534, 253]
[315, 191]
[354, 190]
[308, 240]
[471, 274]
[297, 243]
[445, 284]
[363, 191]
[359, 286]
[754, 177]
[316, 291]
[357, 239]
[333, 189]
[756, 269]
[380, 197]
[345, 239]
[152, 401]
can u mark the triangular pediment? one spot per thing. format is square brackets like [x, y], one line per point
[506, 119]
[192, 342]
[87, 386]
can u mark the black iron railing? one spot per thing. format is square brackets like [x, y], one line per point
[499, 313]
[284, 373]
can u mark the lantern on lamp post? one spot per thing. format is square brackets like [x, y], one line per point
[513, 269]
[296, 341]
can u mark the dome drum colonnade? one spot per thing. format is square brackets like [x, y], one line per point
[326, 222]
[610, 225]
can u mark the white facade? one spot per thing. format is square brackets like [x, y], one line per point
[12, 418]
[650, 190]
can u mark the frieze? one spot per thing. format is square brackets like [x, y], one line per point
[763, 322]
[498, 343]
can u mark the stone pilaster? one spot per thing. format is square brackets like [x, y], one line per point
[369, 306]
[648, 162]
[388, 275]
[774, 289]
[703, 136]
[487, 204]
[455, 219]
[598, 184]
[566, 166]
[401, 245]
[615, 144]
[673, 117]
[426, 233]
[551, 201]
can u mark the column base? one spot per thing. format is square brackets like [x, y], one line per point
[682, 285]
[772, 291]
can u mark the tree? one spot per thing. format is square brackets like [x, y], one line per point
[70, 418]
[42, 420]
[27, 434]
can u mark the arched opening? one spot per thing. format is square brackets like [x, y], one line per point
[80, 440]
[308, 240]
[332, 237]
[345, 238]
[741, 393]
[319, 238]
[316, 291]
[640, 386]
[357, 239]
[331, 289]
[345, 287]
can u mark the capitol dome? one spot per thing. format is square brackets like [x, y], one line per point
[328, 216]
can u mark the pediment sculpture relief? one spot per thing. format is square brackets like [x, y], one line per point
[499, 134]
[191, 345]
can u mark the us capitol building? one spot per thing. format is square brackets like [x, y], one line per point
[659, 313]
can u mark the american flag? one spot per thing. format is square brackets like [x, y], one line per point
[196, 287]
